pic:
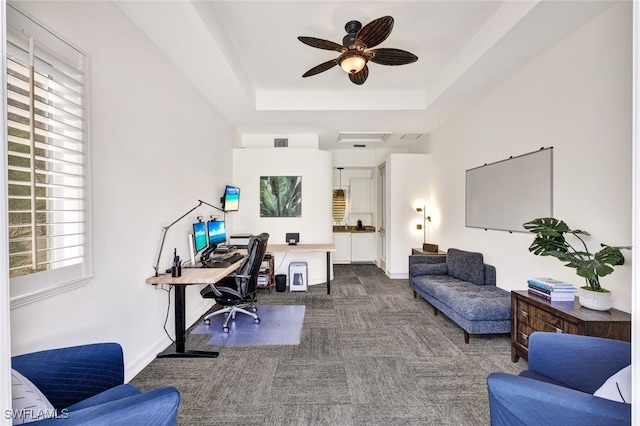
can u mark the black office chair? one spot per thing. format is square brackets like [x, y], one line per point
[237, 292]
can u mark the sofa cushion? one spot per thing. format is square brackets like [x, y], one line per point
[429, 269]
[473, 303]
[466, 266]
[118, 392]
[429, 284]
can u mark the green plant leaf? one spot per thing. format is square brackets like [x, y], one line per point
[551, 240]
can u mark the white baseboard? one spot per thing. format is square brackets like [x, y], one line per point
[397, 276]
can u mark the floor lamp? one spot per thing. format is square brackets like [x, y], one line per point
[425, 246]
[166, 228]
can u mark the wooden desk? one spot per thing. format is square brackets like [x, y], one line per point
[328, 248]
[190, 276]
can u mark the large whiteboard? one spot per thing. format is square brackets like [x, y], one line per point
[505, 194]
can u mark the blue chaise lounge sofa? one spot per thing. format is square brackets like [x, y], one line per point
[461, 286]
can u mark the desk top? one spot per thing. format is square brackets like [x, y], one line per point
[195, 276]
[279, 248]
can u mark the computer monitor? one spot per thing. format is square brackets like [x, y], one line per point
[200, 241]
[217, 232]
[231, 199]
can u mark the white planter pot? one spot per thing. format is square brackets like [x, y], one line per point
[596, 300]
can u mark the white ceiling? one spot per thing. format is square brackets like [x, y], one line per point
[245, 58]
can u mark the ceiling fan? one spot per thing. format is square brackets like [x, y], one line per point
[353, 50]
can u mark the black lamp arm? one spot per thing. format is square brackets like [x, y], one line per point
[211, 205]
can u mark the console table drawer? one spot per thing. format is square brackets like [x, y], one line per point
[531, 314]
[540, 320]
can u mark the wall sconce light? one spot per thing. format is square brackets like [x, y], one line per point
[423, 226]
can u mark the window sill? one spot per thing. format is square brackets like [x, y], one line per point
[26, 299]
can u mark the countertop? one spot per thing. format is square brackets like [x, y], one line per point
[353, 229]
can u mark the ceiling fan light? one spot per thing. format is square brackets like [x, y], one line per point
[353, 64]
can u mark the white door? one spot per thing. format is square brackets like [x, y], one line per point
[382, 215]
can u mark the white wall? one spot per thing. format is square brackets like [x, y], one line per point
[315, 225]
[407, 188]
[158, 147]
[575, 97]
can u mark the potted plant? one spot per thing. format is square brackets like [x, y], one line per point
[551, 240]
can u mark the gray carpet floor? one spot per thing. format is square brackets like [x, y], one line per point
[370, 354]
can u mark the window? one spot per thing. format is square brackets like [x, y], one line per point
[47, 160]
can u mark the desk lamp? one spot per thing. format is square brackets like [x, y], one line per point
[166, 228]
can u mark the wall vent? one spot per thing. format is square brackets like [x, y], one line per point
[363, 137]
[281, 142]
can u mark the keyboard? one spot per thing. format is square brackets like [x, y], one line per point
[222, 261]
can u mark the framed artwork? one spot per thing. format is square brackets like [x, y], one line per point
[280, 196]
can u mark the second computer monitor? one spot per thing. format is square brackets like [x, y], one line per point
[217, 232]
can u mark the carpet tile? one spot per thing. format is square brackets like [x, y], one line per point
[369, 354]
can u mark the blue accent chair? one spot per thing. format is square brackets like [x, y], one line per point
[86, 385]
[557, 389]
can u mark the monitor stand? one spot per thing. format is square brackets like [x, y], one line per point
[207, 252]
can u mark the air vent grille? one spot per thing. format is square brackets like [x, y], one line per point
[281, 142]
[363, 137]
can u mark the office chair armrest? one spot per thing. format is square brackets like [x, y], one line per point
[234, 275]
[224, 291]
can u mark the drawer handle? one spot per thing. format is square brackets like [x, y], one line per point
[525, 336]
[558, 330]
[525, 314]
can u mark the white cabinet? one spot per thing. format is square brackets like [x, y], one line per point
[362, 247]
[342, 240]
[360, 195]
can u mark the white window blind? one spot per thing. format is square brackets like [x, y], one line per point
[47, 159]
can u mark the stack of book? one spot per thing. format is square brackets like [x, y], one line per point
[552, 290]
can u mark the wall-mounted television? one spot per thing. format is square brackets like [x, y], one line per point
[231, 199]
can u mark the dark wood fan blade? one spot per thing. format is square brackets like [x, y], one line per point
[375, 32]
[386, 56]
[321, 68]
[321, 44]
[360, 77]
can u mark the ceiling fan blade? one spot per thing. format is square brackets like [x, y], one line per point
[387, 56]
[321, 68]
[360, 77]
[375, 32]
[321, 44]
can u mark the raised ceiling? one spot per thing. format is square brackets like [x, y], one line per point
[245, 58]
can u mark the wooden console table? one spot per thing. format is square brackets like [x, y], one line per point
[426, 253]
[530, 313]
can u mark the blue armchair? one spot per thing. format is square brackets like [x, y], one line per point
[564, 372]
[85, 385]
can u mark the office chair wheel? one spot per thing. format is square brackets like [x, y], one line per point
[225, 329]
[254, 309]
[207, 321]
[257, 320]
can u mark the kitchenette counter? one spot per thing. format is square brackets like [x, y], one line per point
[353, 229]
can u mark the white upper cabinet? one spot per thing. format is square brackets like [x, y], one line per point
[360, 195]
